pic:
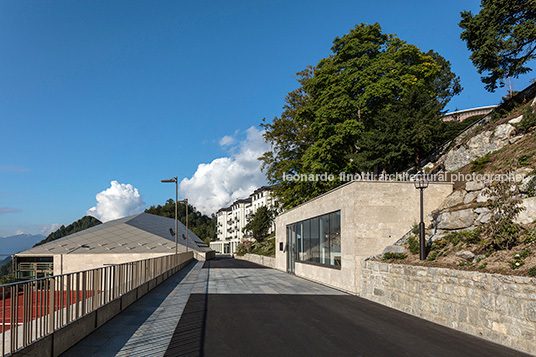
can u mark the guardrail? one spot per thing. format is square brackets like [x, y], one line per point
[33, 309]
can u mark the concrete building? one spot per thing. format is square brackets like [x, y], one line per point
[232, 220]
[326, 238]
[137, 237]
[461, 115]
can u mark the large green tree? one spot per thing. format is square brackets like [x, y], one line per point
[330, 122]
[502, 39]
[260, 224]
[201, 225]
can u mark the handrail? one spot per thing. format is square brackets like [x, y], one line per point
[33, 309]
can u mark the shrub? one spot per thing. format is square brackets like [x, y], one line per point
[387, 256]
[504, 205]
[479, 164]
[413, 244]
[482, 266]
[532, 271]
[528, 121]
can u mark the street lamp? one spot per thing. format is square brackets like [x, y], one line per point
[185, 201]
[174, 179]
[421, 182]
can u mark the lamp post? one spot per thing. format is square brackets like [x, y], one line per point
[421, 182]
[186, 202]
[174, 179]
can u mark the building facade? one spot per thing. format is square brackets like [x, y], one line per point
[461, 115]
[232, 220]
[326, 238]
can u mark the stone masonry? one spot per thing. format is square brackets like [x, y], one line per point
[498, 308]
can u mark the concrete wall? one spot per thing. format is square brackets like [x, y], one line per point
[374, 214]
[64, 338]
[258, 259]
[496, 307]
[70, 263]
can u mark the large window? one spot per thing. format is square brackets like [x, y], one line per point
[318, 240]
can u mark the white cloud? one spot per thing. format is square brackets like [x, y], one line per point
[19, 232]
[120, 200]
[49, 228]
[224, 180]
[227, 140]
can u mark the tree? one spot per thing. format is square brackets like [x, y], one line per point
[407, 131]
[502, 39]
[260, 223]
[77, 226]
[331, 122]
[201, 225]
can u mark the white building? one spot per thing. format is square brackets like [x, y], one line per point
[232, 220]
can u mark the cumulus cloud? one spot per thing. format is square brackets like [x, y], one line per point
[19, 232]
[49, 228]
[120, 200]
[224, 180]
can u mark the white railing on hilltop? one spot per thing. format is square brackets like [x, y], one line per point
[33, 309]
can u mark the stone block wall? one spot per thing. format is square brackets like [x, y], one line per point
[258, 259]
[495, 307]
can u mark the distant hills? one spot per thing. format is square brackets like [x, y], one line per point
[17, 243]
[22, 242]
[77, 226]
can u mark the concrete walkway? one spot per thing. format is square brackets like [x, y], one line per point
[228, 307]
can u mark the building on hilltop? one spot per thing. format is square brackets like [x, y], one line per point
[461, 115]
[127, 239]
[232, 220]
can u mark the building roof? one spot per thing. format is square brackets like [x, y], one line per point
[141, 233]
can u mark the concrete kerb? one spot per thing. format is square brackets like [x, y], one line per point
[62, 339]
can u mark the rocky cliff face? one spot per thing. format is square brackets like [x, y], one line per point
[479, 145]
[465, 208]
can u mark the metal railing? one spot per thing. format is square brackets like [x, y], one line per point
[33, 309]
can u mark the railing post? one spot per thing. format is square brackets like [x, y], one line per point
[51, 300]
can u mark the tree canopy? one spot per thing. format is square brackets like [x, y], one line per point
[201, 225]
[77, 226]
[502, 39]
[260, 223]
[333, 122]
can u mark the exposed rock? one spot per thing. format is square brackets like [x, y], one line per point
[474, 186]
[394, 249]
[484, 218]
[516, 120]
[465, 254]
[478, 258]
[482, 197]
[528, 215]
[455, 198]
[456, 220]
[470, 197]
[524, 187]
[515, 139]
[478, 146]
[480, 210]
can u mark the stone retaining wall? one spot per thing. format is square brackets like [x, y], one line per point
[259, 259]
[495, 307]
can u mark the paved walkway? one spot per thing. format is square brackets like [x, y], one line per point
[227, 307]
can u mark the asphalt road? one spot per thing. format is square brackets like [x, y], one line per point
[311, 325]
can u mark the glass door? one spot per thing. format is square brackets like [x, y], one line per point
[291, 248]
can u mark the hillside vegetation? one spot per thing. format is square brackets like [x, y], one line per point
[488, 225]
[202, 225]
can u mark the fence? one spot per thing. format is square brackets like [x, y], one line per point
[33, 309]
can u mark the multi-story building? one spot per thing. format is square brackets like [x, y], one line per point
[232, 220]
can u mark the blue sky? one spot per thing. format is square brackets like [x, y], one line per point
[136, 91]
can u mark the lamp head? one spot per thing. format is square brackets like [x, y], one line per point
[421, 181]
